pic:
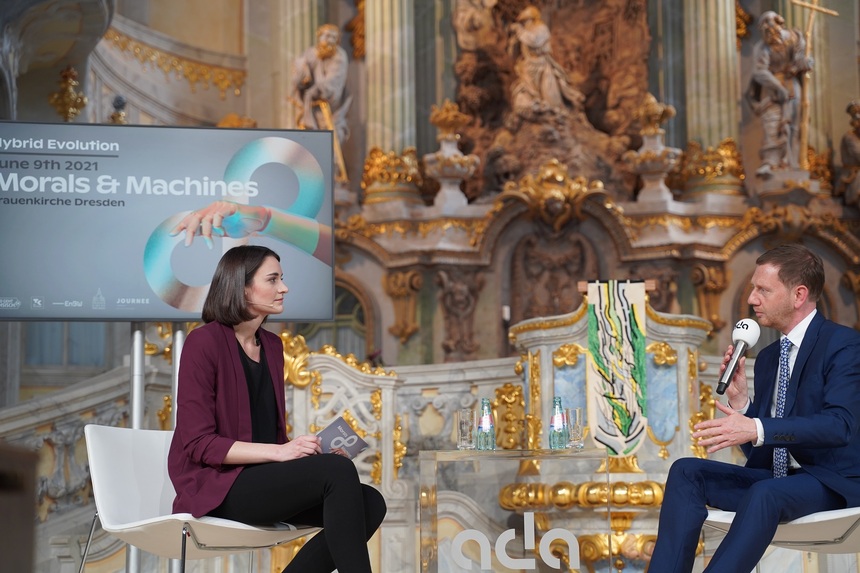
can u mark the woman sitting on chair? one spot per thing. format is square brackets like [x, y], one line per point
[230, 456]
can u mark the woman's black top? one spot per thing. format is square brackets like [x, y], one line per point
[264, 409]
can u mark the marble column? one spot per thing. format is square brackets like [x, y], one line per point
[820, 125]
[298, 21]
[10, 363]
[390, 58]
[10, 53]
[712, 71]
[435, 49]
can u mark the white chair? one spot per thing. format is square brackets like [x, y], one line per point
[134, 499]
[835, 531]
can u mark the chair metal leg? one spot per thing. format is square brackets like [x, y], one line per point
[250, 562]
[89, 540]
[184, 539]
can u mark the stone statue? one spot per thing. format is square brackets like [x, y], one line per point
[774, 92]
[474, 23]
[849, 182]
[541, 84]
[319, 77]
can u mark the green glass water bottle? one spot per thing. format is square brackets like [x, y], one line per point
[486, 439]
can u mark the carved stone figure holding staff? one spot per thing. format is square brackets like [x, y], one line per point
[774, 92]
[320, 76]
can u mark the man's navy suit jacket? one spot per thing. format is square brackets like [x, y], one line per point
[821, 423]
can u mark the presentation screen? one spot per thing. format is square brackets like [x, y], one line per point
[94, 219]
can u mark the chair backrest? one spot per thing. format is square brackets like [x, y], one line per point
[129, 473]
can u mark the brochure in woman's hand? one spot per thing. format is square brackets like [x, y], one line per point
[339, 437]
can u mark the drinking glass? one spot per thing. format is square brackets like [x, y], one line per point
[467, 422]
[577, 429]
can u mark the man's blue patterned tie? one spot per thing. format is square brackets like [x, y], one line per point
[780, 455]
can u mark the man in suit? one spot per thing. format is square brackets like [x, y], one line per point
[801, 444]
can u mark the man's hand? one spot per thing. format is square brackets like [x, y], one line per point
[737, 392]
[733, 430]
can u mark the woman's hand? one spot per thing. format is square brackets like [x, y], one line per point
[243, 453]
[299, 447]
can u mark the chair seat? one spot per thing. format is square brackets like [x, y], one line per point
[162, 535]
[835, 531]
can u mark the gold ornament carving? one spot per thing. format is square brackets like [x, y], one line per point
[652, 114]
[710, 282]
[742, 22]
[376, 468]
[449, 120]
[821, 168]
[399, 447]
[357, 31]
[621, 465]
[192, 71]
[707, 411]
[682, 322]
[664, 451]
[791, 222]
[66, 101]
[510, 406]
[528, 496]
[664, 355]
[164, 415]
[358, 225]
[532, 424]
[612, 547]
[403, 288]
[376, 403]
[568, 355]
[350, 419]
[552, 196]
[635, 224]
[350, 360]
[548, 324]
[388, 176]
[296, 354]
[536, 427]
[234, 120]
[565, 495]
[713, 169]
[165, 334]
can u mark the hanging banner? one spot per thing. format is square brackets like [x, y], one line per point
[94, 217]
[615, 371]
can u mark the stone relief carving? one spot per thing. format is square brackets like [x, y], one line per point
[459, 291]
[551, 83]
[403, 288]
[663, 297]
[545, 271]
[849, 183]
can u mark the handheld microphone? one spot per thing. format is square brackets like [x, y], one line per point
[259, 303]
[744, 336]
